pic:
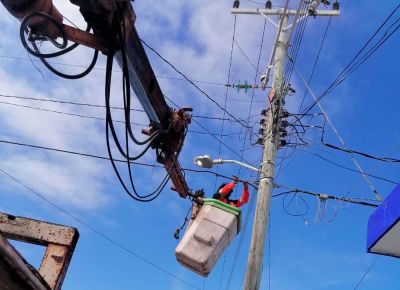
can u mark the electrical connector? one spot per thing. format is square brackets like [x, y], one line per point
[336, 6]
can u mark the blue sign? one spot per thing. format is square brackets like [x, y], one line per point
[384, 227]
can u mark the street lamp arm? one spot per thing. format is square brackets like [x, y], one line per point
[221, 161]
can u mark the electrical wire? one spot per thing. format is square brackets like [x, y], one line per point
[246, 57]
[252, 203]
[110, 127]
[64, 49]
[350, 151]
[158, 166]
[193, 84]
[327, 196]
[206, 130]
[226, 98]
[97, 105]
[103, 119]
[24, 29]
[9, 142]
[366, 272]
[339, 137]
[294, 49]
[99, 233]
[347, 168]
[315, 62]
[286, 205]
[243, 232]
[357, 61]
[119, 71]
[249, 132]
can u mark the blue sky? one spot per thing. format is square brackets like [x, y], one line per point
[196, 37]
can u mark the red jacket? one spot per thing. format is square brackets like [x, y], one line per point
[234, 202]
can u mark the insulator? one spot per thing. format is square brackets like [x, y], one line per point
[284, 114]
[236, 4]
[261, 132]
[268, 4]
[336, 6]
[263, 78]
[284, 123]
[263, 122]
[260, 141]
[283, 133]
[264, 112]
[283, 143]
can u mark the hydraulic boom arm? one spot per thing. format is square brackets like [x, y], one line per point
[101, 16]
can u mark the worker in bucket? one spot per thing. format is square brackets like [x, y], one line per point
[225, 190]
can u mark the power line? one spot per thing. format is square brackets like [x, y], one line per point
[347, 168]
[102, 119]
[249, 132]
[71, 152]
[206, 130]
[247, 57]
[192, 83]
[295, 46]
[95, 105]
[354, 63]
[107, 158]
[350, 151]
[316, 62]
[366, 272]
[158, 166]
[99, 233]
[119, 71]
[225, 102]
[356, 163]
[323, 195]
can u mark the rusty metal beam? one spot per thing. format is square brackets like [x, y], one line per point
[36, 232]
[59, 240]
[99, 15]
[85, 38]
[15, 272]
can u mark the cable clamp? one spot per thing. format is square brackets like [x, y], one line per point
[268, 178]
[266, 162]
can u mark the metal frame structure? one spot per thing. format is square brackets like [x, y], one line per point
[60, 242]
[15, 272]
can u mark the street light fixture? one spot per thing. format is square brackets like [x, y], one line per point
[207, 162]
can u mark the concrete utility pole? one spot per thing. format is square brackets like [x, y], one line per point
[254, 262]
[272, 139]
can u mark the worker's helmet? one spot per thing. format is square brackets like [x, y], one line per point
[217, 195]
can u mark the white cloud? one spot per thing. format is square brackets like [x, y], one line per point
[63, 181]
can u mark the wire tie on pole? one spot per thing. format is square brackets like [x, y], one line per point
[267, 161]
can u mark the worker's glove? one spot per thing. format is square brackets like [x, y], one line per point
[235, 178]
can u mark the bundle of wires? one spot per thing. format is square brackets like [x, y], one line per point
[116, 46]
[119, 47]
[33, 37]
[385, 31]
[293, 51]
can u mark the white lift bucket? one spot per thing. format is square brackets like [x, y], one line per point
[215, 227]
